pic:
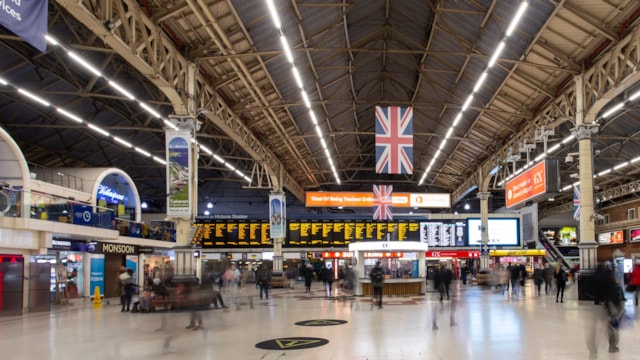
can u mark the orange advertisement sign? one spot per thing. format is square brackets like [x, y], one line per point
[527, 185]
[365, 199]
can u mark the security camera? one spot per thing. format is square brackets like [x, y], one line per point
[597, 217]
[568, 159]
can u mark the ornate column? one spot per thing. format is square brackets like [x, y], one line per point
[587, 245]
[484, 223]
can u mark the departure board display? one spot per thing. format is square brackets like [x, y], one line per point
[443, 233]
[329, 233]
[233, 233]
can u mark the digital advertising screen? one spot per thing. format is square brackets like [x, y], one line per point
[501, 232]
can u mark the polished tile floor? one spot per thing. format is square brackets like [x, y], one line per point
[475, 324]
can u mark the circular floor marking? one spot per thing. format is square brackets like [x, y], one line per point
[292, 343]
[321, 322]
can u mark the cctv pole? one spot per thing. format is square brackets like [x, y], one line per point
[587, 245]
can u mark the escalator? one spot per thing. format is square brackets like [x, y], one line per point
[553, 254]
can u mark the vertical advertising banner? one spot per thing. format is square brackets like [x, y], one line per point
[178, 173]
[277, 216]
[96, 273]
[27, 19]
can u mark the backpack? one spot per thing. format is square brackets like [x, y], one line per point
[376, 275]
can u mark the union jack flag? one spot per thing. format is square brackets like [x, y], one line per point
[382, 200]
[576, 202]
[394, 140]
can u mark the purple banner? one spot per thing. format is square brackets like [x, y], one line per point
[27, 19]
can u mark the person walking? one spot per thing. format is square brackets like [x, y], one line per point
[308, 276]
[126, 281]
[561, 282]
[634, 281]
[263, 276]
[438, 281]
[464, 273]
[447, 278]
[605, 291]
[514, 271]
[548, 278]
[538, 278]
[329, 278]
[377, 282]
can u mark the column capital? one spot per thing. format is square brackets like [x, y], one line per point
[585, 131]
[484, 195]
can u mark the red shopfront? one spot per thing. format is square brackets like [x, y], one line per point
[452, 259]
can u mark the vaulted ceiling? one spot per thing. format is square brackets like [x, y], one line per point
[351, 55]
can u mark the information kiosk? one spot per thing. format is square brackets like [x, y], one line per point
[367, 253]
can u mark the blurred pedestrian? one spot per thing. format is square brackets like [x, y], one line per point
[548, 278]
[538, 278]
[329, 278]
[447, 278]
[377, 282]
[263, 277]
[605, 291]
[634, 281]
[438, 281]
[308, 277]
[561, 282]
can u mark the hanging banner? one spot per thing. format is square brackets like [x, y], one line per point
[178, 173]
[27, 19]
[277, 216]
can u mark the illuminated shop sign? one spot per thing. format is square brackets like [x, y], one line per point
[337, 254]
[383, 255]
[106, 192]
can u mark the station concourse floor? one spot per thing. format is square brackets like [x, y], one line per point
[486, 325]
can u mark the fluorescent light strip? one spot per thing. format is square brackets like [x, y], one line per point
[229, 166]
[634, 96]
[274, 14]
[296, 75]
[621, 165]
[305, 98]
[480, 81]
[554, 148]
[517, 18]
[84, 63]
[467, 103]
[612, 110]
[287, 49]
[143, 152]
[51, 40]
[99, 130]
[123, 142]
[158, 160]
[313, 117]
[121, 90]
[149, 109]
[496, 54]
[69, 115]
[34, 97]
[3, 81]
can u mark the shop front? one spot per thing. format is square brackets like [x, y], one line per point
[455, 260]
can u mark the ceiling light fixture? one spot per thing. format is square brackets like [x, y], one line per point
[492, 60]
[287, 50]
